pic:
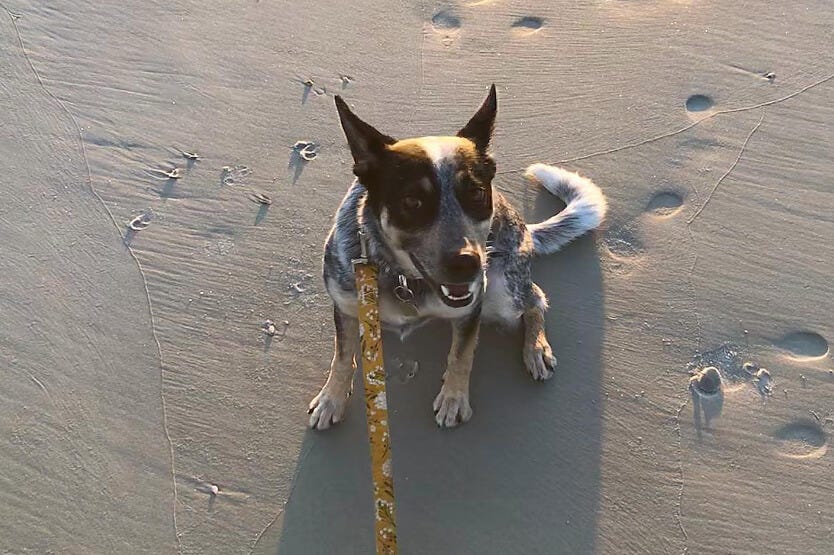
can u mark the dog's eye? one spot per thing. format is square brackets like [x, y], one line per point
[412, 203]
[478, 194]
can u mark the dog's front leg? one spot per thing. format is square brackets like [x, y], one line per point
[328, 407]
[538, 356]
[451, 406]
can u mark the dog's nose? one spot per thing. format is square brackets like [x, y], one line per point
[462, 266]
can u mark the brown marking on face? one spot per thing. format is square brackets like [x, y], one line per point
[436, 149]
[410, 148]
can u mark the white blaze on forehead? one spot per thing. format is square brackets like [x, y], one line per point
[439, 149]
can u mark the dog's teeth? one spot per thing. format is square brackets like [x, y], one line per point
[448, 294]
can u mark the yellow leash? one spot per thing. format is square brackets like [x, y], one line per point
[373, 369]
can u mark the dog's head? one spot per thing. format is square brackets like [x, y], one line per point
[432, 197]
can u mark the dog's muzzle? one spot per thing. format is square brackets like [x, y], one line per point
[454, 295]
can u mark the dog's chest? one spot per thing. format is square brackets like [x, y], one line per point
[499, 305]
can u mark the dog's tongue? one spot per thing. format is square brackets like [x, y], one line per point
[457, 290]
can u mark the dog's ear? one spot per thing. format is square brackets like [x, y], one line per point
[479, 129]
[367, 144]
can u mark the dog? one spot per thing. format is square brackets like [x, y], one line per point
[447, 245]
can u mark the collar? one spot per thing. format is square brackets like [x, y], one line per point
[408, 289]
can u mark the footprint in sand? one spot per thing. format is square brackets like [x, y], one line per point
[447, 24]
[624, 248]
[527, 25]
[622, 241]
[698, 103]
[404, 370]
[623, 244]
[665, 204]
[801, 439]
[229, 175]
[804, 345]
[445, 21]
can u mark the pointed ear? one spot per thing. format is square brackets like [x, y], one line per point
[479, 128]
[366, 143]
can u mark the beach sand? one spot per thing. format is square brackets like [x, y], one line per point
[142, 409]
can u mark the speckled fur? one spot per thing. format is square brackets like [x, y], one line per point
[502, 292]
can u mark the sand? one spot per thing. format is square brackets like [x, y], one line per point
[142, 410]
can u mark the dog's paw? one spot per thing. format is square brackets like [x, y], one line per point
[451, 407]
[539, 360]
[327, 409]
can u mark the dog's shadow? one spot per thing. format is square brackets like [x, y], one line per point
[523, 476]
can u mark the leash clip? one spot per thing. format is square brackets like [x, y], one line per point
[363, 250]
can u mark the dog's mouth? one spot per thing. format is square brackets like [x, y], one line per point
[456, 295]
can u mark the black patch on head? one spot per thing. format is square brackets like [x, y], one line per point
[405, 185]
[479, 129]
[473, 184]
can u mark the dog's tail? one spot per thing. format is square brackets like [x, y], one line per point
[585, 207]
